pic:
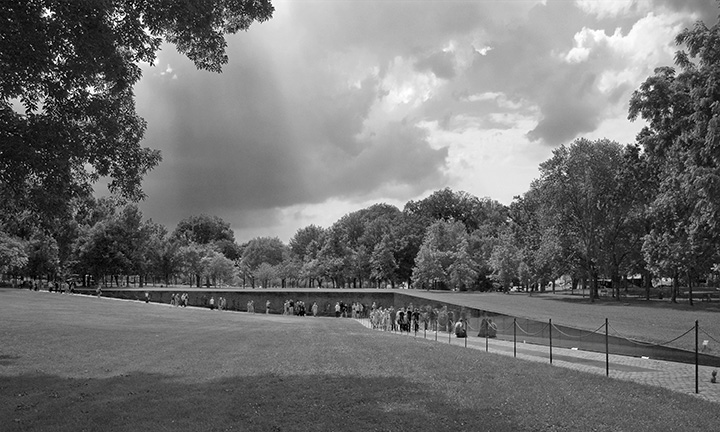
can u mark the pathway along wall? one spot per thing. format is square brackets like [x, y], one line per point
[523, 330]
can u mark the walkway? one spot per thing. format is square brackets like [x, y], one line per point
[678, 377]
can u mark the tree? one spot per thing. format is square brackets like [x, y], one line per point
[72, 66]
[428, 269]
[448, 205]
[12, 253]
[333, 258]
[115, 246]
[461, 273]
[299, 244]
[445, 245]
[203, 229]
[382, 262]
[682, 141]
[588, 204]
[265, 274]
[193, 263]
[218, 269]
[42, 253]
[263, 250]
[505, 261]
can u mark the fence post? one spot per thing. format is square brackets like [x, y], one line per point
[436, 329]
[550, 328]
[486, 340]
[697, 370]
[607, 350]
[449, 333]
[515, 337]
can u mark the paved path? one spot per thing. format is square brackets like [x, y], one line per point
[679, 377]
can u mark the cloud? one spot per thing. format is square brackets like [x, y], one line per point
[327, 104]
[441, 64]
[612, 9]
[396, 158]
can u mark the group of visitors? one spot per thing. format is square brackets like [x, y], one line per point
[58, 285]
[404, 319]
[354, 310]
[297, 307]
[221, 303]
[176, 299]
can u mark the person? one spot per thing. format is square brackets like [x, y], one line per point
[337, 310]
[460, 328]
[147, 297]
[315, 309]
[212, 303]
[267, 307]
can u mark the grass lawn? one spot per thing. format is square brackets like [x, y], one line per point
[73, 363]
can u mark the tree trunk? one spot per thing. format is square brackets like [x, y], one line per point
[690, 287]
[647, 281]
[675, 288]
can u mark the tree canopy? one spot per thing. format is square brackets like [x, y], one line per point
[67, 71]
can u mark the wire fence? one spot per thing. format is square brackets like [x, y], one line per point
[604, 339]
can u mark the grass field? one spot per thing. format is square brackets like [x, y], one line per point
[72, 363]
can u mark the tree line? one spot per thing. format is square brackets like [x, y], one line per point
[599, 210]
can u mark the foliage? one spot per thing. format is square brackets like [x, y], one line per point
[219, 269]
[114, 246]
[72, 67]
[505, 260]
[682, 141]
[265, 274]
[443, 257]
[12, 253]
[203, 229]
[260, 250]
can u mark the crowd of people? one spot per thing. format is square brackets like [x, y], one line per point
[176, 299]
[404, 319]
[297, 307]
[413, 319]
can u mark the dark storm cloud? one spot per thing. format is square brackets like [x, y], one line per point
[396, 156]
[269, 133]
[327, 100]
[228, 144]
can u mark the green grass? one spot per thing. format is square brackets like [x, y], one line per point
[72, 363]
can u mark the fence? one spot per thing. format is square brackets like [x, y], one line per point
[599, 340]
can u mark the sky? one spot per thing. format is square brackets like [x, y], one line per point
[332, 106]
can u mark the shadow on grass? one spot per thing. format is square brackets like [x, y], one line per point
[264, 402]
[7, 360]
